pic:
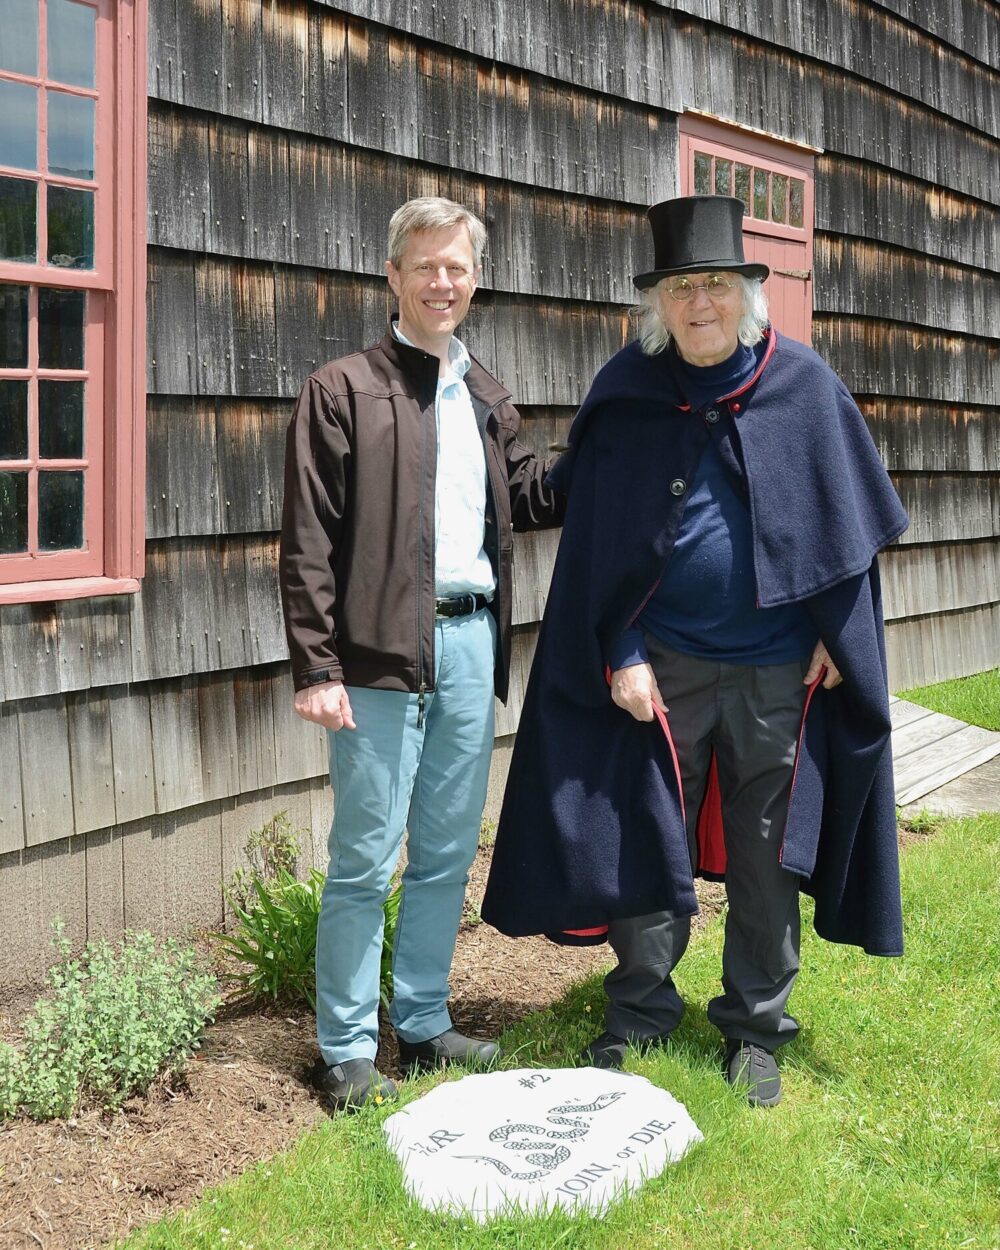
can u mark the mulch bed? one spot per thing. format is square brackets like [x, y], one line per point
[82, 1183]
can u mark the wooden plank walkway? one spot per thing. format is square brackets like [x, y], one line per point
[929, 749]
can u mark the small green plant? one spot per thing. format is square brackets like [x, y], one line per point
[275, 937]
[391, 910]
[115, 1019]
[487, 832]
[274, 942]
[922, 822]
[273, 848]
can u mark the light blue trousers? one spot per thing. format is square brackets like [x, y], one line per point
[389, 775]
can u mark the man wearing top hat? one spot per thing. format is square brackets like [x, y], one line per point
[708, 694]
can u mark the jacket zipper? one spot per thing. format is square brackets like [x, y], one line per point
[496, 509]
[421, 683]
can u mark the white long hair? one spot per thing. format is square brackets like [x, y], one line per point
[654, 335]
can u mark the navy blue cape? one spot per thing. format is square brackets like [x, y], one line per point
[591, 827]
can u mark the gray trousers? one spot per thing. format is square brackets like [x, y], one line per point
[751, 716]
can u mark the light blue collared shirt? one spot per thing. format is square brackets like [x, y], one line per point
[461, 564]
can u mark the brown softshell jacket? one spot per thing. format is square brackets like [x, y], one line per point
[357, 537]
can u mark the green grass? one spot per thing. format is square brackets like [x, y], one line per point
[974, 699]
[887, 1138]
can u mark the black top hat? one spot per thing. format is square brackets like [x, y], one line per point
[696, 233]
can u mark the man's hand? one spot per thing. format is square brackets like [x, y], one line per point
[821, 659]
[634, 689]
[326, 704]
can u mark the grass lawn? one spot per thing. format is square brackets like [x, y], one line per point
[974, 699]
[887, 1138]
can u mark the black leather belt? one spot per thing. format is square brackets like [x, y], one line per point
[460, 605]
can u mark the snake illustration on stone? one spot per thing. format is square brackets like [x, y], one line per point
[545, 1154]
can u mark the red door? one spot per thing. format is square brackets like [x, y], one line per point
[775, 181]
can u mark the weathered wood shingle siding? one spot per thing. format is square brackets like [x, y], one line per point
[148, 734]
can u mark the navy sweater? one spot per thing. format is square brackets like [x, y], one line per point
[705, 604]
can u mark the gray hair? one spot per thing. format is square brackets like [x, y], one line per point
[432, 212]
[654, 335]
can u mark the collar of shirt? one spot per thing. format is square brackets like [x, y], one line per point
[459, 360]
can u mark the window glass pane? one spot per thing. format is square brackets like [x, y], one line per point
[60, 329]
[18, 227]
[13, 419]
[71, 135]
[18, 125]
[72, 45]
[779, 185]
[723, 176]
[702, 174]
[743, 186]
[13, 512]
[60, 420]
[796, 201]
[13, 326]
[760, 194]
[71, 228]
[19, 46]
[60, 511]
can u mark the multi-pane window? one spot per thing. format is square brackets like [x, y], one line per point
[66, 247]
[766, 195]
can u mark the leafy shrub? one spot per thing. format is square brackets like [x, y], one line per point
[390, 909]
[275, 936]
[116, 1018]
[273, 848]
[274, 940]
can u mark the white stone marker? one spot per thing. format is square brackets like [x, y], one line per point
[535, 1139]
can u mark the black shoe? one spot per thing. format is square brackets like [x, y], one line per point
[353, 1084]
[448, 1047]
[608, 1050]
[752, 1068]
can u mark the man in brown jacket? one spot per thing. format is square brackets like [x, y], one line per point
[404, 480]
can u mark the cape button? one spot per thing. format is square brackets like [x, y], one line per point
[712, 416]
[678, 486]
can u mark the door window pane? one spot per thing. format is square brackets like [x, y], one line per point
[60, 420]
[723, 176]
[702, 174]
[72, 45]
[18, 227]
[60, 511]
[796, 201]
[71, 135]
[13, 326]
[760, 194]
[13, 419]
[71, 228]
[13, 513]
[60, 329]
[779, 185]
[19, 46]
[18, 125]
[743, 186]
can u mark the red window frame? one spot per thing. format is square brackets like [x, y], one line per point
[112, 558]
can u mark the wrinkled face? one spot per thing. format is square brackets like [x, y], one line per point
[705, 328]
[434, 283]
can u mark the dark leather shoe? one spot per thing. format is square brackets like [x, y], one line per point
[353, 1084]
[752, 1068]
[448, 1047]
[608, 1050]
